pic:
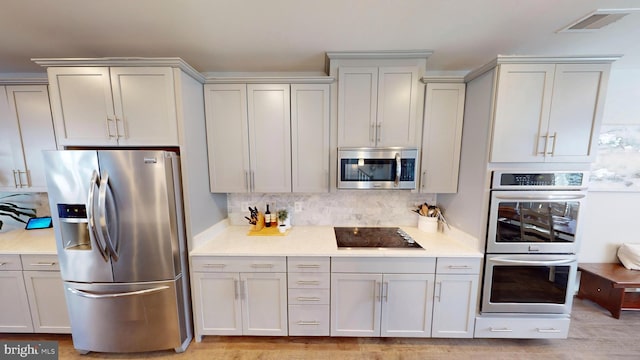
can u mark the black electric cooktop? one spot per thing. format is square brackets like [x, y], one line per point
[374, 237]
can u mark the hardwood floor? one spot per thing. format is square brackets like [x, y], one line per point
[594, 334]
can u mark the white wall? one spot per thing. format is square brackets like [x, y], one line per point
[611, 217]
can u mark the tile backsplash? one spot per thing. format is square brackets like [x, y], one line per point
[342, 208]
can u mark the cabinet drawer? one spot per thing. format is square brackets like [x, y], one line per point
[10, 262]
[521, 327]
[309, 297]
[307, 264]
[458, 266]
[387, 265]
[239, 264]
[40, 262]
[309, 320]
[308, 281]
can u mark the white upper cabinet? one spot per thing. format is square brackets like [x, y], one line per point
[268, 137]
[377, 106]
[548, 112]
[26, 129]
[310, 137]
[249, 137]
[227, 137]
[442, 137]
[269, 115]
[114, 106]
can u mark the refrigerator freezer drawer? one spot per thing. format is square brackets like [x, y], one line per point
[129, 317]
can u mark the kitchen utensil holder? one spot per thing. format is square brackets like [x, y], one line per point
[428, 224]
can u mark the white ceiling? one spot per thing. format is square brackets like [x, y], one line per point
[293, 35]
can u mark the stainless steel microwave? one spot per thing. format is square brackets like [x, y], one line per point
[377, 168]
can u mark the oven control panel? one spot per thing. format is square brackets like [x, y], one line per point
[540, 180]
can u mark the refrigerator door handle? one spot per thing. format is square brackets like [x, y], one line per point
[91, 220]
[102, 208]
[90, 295]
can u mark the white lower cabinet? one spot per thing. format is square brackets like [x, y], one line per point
[239, 296]
[338, 296]
[45, 290]
[14, 313]
[32, 300]
[308, 279]
[382, 296]
[522, 327]
[456, 297]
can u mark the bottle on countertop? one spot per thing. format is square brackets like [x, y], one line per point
[274, 217]
[267, 217]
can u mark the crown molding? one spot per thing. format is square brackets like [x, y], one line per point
[380, 54]
[267, 78]
[520, 59]
[173, 62]
[454, 77]
[23, 79]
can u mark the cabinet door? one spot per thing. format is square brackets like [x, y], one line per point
[407, 305]
[9, 135]
[578, 101]
[30, 111]
[82, 106]
[442, 137]
[454, 308]
[269, 115]
[217, 306]
[264, 303]
[47, 302]
[396, 121]
[521, 113]
[145, 106]
[355, 304]
[227, 137]
[14, 312]
[310, 137]
[357, 106]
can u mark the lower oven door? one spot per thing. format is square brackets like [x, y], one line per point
[529, 283]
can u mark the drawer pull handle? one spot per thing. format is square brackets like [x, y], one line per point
[314, 322]
[500, 329]
[43, 264]
[214, 265]
[262, 266]
[460, 267]
[3, 263]
[552, 330]
[308, 282]
[308, 266]
[307, 298]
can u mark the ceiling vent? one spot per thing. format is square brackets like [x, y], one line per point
[597, 20]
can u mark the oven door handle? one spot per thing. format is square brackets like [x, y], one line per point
[538, 197]
[533, 262]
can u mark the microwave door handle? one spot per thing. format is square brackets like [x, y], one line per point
[533, 262]
[398, 169]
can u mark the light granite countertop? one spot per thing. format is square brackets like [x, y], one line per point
[320, 241]
[20, 241]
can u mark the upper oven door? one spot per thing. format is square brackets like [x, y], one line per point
[546, 222]
[377, 168]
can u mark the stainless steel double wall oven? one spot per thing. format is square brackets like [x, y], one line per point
[533, 236]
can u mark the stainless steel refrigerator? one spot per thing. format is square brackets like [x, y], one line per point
[120, 236]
